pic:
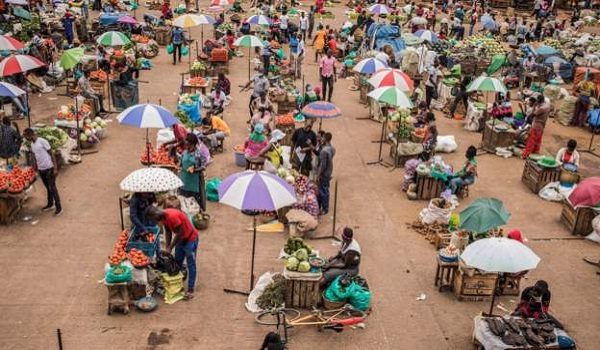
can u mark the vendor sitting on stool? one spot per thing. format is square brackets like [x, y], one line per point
[466, 175]
[138, 205]
[346, 261]
[569, 154]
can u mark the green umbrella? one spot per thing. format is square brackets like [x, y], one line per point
[484, 214]
[113, 39]
[485, 83]
[248, 41]
[71, 57]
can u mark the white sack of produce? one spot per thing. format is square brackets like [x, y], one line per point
[446, 144]
[595, 235]
[409, 148]
[566, 110]
[258, 290]
[163, 136]
[433, 213]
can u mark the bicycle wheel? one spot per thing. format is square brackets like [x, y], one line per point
[269, 318]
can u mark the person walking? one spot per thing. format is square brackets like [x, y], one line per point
[45, 164]
[325, 170]
[461, 96]
[311, 21]
[177, 39]
[303, 25]
[432, 83]
[299, 56]
[284, 26]
[260, 86]
[328, 74]
[541, 112]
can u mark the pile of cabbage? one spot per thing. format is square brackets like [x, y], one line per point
[298, 252]
[91, 130]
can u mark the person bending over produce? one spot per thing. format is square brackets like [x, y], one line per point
[185, 241]
[138, 205]
[535, 303]
[346, 261]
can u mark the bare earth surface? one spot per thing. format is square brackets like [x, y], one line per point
[51, 269]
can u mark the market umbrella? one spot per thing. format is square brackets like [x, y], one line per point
[321, 110]
[391, 77]
[253, 191]
[9, 43]
[128, 20]
[379, 9]
[15, 64]
[190, 20]
[222, 2]
[151, 180]
[147, 116]
[418, 20]
[10, 90]
[500, 255]
[113, 38]
[484, 214]
[248, 41]
[426, 35]
[71, 57]
[370, 66]
[486, 84]
[391, 95]
[259, 20]
[546, 50]
[587, 193]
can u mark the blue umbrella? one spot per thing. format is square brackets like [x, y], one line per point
[488, 22]
[370, 66]
[426, 35]
[10, 90]
[147, 116]
[546, 50]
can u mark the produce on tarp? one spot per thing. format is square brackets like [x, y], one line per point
[16, 180]
[184, 119]
[137, 258]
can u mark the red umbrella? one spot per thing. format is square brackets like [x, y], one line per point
[9, 43]
[587, 193]
[18, 64]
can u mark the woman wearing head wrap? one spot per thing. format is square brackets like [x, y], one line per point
[255, 143]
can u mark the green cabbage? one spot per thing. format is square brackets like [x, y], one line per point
[304, 266]
[291, 263]
[301, 254]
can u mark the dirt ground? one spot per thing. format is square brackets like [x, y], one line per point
[51, 269]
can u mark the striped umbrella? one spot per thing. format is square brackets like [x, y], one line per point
[113, 38]
[392, 77]
[221, 2]
[321, 110]
[10, 90]
[426, 35]
[392, 96]
[127, 20]
[370, 66]
[192, 20]
[259, 20]
[14, 64]
[485, 83]
[248, 41]
[379, 9]
[71, 57]
[147, 116]
[9, 43]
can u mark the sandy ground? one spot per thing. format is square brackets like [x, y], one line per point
[52, 269]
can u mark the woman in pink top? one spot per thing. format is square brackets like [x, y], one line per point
[255, 143]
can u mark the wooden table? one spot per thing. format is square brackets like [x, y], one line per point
[193, 89]
[579, 221]
[428, 187]
[535, 176]
[478, 287]
[445, 274]
[400, 159]
[493, 138]
[302, 289]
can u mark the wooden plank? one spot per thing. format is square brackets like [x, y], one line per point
[289, 292]
[296, 302]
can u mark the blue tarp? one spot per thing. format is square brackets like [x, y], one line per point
[192, 110]
[110, 18]
[386, 35]
[560, 66]
[594, 118]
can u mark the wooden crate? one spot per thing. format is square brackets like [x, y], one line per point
[302, 293]
[441, 240]
[428, 187]
[289, 132]
[100, 87]
[475, 288]
[401, 159]
[492, 138]
[535, 177]
[285, 107]
[579, 221]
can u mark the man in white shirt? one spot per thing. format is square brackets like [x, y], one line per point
[283, 25]
[433, 77]
[45, 164]
[303, 25]
[299, 57]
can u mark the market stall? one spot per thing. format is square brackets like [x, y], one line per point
[539, 171]
[15, 183]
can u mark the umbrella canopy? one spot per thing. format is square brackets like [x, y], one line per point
[71, 57]
[113, 38]
[10, 90]
[222, 2]
[379, 9]
[426, 35]
[9, 43]
[392, 77]
[484, 214]
[555, 60]
[192, 20]
[587, 193]
[546, 50]
[321, 109]
[392, 96]
[127, 20]
[370, 66]
[256, 190]
[18, 64]
[248, 41]
[147, 116]
[499, 254]
[485, 83]
[151, 180]
[259, 20]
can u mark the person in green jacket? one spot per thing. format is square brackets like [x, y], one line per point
[191, 170]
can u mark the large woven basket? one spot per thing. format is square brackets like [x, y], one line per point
[332, 305]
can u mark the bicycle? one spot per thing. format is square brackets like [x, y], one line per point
[286, 318]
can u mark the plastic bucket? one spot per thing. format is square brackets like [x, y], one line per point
[240, 159]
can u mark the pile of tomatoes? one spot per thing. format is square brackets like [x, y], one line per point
[138, 258]
[16, 180]
[118, 254]
[160, 157]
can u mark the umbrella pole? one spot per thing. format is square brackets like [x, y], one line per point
[320, 122]
[253, 252]
[248, 63]
[201, 40]
[189, 54]
[29, 112]
[78, 128]
[494, 296]
[147, 147]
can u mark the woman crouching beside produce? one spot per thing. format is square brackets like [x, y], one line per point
[345, 262]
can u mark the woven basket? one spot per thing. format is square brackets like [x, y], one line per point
[332, 305]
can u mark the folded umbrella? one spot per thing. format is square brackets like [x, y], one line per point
[587, 193]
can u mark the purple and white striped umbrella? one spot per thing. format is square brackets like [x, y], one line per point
[147, 116]
[256, 190]
[259, 20]
[379, 9]
[10, 90]
[370, 66]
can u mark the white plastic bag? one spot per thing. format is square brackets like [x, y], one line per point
[551, 192]
[433, 214]
[189, 205]
[258, 290]
[163, 136]
[446, 144]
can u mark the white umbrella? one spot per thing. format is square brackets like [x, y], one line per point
[151, 180]
[498, 254]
